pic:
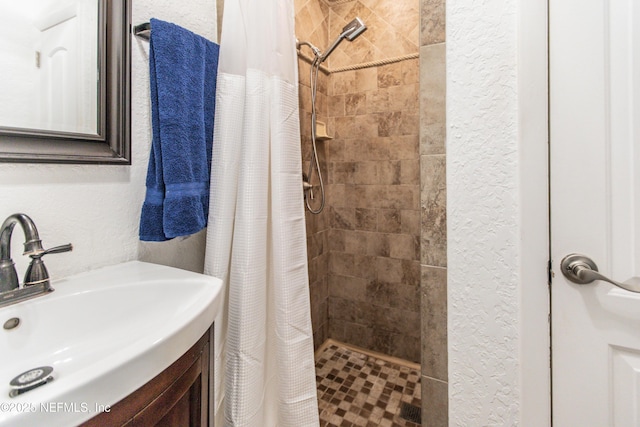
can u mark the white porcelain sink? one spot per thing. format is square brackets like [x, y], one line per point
[105, 333]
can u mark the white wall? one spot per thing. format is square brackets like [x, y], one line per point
[496, 214]
[97, 208]
[18, 65]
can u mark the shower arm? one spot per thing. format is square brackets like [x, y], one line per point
[331, 48]
[315, 50]
[319, 55]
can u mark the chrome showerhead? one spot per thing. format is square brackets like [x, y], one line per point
[353, 29]
[350, 32]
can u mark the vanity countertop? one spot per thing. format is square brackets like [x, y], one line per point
[105, 333]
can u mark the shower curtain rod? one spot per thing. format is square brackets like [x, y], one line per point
[143, 31]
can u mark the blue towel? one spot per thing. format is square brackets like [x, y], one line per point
[183, 69]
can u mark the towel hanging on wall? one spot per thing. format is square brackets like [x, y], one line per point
[183, 68]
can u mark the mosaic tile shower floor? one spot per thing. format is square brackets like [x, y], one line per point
[356, 389]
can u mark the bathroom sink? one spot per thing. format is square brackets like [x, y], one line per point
[105, 333]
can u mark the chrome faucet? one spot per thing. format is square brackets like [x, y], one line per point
[36, 278]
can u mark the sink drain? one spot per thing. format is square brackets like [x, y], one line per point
[30, 379]
[11, 323]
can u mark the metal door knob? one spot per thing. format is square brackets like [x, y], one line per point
[582, 270]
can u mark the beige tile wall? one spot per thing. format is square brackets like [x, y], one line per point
[393, 28]
[433, 206]
[384, 229]
[374, 194]
[377, 256]
[311, 25]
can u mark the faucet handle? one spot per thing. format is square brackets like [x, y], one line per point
[37, 272]
[57, 249]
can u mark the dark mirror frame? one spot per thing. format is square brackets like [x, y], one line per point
[113, 143]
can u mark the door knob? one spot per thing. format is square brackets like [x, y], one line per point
[582, 270]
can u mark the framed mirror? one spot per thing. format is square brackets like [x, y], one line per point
[65, 95]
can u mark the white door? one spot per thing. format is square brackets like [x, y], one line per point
[595, 209]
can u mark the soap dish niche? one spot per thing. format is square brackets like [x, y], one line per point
[321, 131]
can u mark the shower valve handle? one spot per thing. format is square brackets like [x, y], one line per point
[306, 186]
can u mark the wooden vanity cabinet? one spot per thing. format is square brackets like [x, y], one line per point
[178, 396]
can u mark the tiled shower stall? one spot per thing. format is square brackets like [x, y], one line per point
[377, 253]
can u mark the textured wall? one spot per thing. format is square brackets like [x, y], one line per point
[97, 208]
[483, 228]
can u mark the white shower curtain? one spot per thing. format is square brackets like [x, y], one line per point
[264, 367]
